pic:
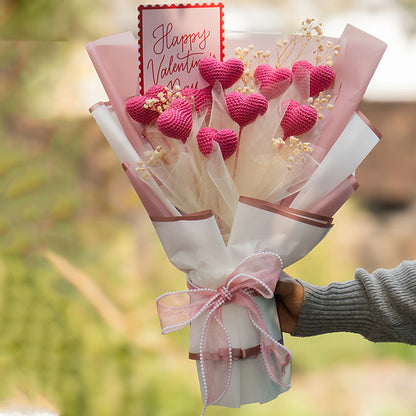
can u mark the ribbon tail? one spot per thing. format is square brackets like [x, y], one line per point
[215, 358]
[276, 356]
[276, 359]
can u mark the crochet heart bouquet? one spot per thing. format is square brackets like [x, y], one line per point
[241, 178]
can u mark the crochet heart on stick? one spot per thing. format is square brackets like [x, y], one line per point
[226, 73]
[320, 77]
[139, 107]
[226, 138]
[244, 109]
[298, 119]
[273, 82]
[176, 121]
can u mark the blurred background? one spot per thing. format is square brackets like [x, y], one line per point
[81, 266]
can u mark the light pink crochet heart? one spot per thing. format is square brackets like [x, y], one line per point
[244, 109]
[226, 73]
[176, 121]
[273, 82]
[320, 77]
[202, 99]
[226, 138]
[298, 119]
[136, 109]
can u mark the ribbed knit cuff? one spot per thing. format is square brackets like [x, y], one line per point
[338, 307]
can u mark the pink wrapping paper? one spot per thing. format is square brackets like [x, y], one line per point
[354, 71]
[115, 60]
[333, 201]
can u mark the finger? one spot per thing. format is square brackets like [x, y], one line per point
[286, 285]
[286, 320]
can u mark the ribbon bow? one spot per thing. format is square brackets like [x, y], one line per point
[256, 275]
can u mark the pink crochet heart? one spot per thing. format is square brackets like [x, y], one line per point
[135, 106]
[244, 109]
[298, 119]
[176, 121]
[227, 72]
[226, 138]
[202, 99]
[273, 82]
[321, 76]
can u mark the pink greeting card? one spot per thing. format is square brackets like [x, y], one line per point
[172, 41]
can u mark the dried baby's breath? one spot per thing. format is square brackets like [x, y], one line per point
[321, 104]
[292, 150]
[156, 156]
[163, 99]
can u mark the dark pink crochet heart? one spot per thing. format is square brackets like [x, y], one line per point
[298, 119]
[226, 73]
[320, 77]
[176, 121]
[273, 82]
[136, 109]
[226, 138]
[244, 109]
[202, 98]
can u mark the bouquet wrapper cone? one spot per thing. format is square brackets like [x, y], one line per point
[194, 245]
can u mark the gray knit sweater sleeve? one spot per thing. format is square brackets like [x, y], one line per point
[380, 306]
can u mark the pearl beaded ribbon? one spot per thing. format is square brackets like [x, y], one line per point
[255, 275]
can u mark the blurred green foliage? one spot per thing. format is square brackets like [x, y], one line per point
[47, 20]
[62, 191]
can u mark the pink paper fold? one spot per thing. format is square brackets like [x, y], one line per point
[150, 201]
[354, 69]
[116, 62]
[332, 202]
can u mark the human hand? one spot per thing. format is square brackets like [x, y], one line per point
[289, 300]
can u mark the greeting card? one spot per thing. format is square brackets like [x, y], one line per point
[173, 39]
